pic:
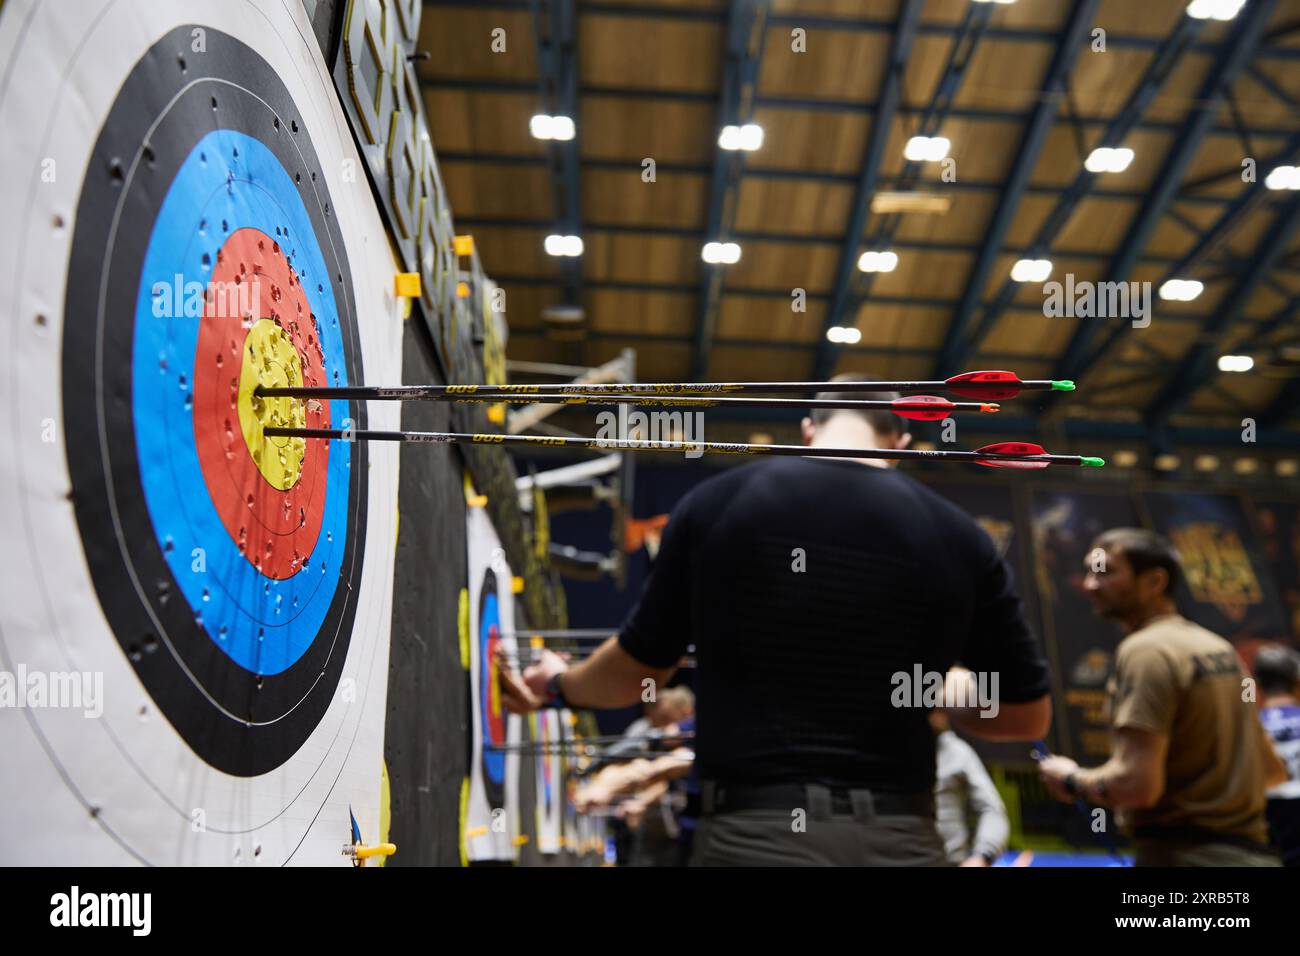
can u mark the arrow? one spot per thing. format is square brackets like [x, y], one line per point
[926, 408]
[653, 736]
[1016, 454]
[524, 657]
[569, 634]
[985, 386]
[539, 639]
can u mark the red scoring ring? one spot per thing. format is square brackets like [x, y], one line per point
[496, 722]
[275, 530]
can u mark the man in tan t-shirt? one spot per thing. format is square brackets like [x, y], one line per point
[1190, 761]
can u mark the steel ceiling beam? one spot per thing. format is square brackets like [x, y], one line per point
[759, 292]
[1248, 200]
[785, 345]
[856, 24]
[891, 84]
[1286, 404]
[492, 85]
[746, 30]
[1197, 366]
[1158, 70]
[451, 157]
[1237, 50]
[1074, 38]
[1256, 336]
[791, 238]
[555, 29]
[939, 109]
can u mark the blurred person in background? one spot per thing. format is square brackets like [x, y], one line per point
[1190, 761]
[1277, 673]
[964, 793]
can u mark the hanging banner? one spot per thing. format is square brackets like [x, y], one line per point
[1279, 530]
[1227, 584]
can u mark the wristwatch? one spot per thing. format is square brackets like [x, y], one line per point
[555, 693]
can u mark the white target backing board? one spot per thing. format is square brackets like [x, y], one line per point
[492, 819]
[194, 617]
[549, 776]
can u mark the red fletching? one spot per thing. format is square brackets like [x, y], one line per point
[988, 386]
[923, 408]
[1012, 448]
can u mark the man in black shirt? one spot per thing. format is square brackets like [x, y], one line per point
[816, 593]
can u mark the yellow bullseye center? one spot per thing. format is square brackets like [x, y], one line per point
[270, 359]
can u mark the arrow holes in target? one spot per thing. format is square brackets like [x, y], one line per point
[232, 648]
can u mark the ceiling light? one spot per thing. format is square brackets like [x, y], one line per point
[926, 148]
[909, 200]
[1214, 9]
[842, 335]
[1181, 290]
[1284, 177]
[563, 314]
[878, 261]
[748, 137]
[557, 245]
[1105, 159]
[721, 253]
[544, 126]
[1031, 270]
[1236, 363]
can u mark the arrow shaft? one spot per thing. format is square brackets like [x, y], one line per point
[672, 447]
[600, 741]
[524, 657]
[569, 634]
[519, 393]
[650, 401]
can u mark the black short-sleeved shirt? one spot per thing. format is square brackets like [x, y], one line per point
[795, 667]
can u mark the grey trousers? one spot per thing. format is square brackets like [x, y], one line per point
[1166, 852]
[779, 838]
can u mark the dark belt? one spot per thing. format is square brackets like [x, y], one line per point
[1191, 834]
[819, 801]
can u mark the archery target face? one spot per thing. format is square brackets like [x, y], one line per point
[197, 240]
[487, 695]
[492, 815]
[549, 780]
[570, 819]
